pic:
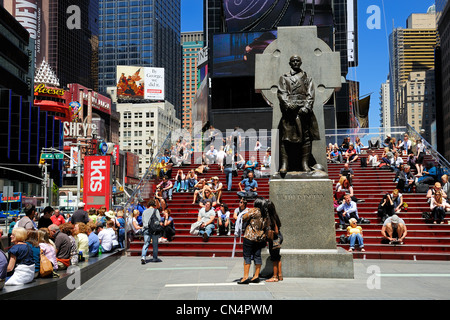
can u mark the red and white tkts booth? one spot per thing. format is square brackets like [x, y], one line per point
[97, 189]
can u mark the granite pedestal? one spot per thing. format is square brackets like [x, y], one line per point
[309, 247]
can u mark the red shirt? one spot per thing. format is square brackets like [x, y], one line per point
[58, 219]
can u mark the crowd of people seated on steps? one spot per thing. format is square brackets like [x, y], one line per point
[232, 164]
[218, 219]
[40, 245]
[401, 157]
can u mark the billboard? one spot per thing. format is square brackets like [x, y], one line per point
[132, 165]
[270, 14]
[97, 189]
[233, 54]
[138, 83]
[33, 16]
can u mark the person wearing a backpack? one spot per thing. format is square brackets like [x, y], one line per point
[149, 217]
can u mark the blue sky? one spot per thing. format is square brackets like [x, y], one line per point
[373, 65]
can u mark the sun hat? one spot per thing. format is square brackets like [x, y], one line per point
[110, 214]
[395, 219]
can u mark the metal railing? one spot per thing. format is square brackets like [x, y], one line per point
[440, 160]
[336, 136]
[136, 196]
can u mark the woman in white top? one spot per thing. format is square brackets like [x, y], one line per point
[134, 223]
[220, 155]
[373, 159]
[133, 228]
[420, 154]
[398, 160]
[267, 160]
[438, 206]
[223, 220]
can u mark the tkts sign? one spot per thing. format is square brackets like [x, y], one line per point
[97, 190]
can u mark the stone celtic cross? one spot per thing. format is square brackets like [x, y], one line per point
[318, 61]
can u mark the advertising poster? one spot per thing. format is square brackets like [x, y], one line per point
[130, 82]
[137, 83]
[154, 83]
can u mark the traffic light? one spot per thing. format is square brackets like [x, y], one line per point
[41, 161]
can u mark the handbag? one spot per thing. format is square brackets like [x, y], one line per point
[276, 243]
[46, 267]
[427, 215]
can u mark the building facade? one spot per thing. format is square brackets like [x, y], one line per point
[141, 33]
[417, 98]
[443, 78]
[65, 35]
[411, 49]
[140, 123]
[385, 106]
[192, 43]
[24, 128]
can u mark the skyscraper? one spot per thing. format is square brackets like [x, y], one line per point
[411, 49]
[141, 33]
[192, 43]
[66, 36]
[443, 78]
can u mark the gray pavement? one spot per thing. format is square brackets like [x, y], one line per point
[209, 278]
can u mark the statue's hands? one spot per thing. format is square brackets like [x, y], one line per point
[290, 106]
[304, 110]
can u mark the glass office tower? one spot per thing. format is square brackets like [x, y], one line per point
[141, 33]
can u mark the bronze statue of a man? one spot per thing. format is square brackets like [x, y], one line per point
[298, 125]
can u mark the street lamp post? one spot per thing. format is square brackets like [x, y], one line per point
[52, 150]
[151, 144]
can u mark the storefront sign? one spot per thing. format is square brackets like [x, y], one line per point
[99, 101]
[41, 88]
[77, 129]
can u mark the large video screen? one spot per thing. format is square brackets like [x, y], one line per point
[268, 14]
[234, 53]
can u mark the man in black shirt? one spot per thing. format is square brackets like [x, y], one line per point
[80, 215]
[45, 220]
[346, 171]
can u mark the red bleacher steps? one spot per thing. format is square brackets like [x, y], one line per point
[424, 241]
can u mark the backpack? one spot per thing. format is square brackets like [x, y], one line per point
[154, 225]
[343, 239]
[422, 188]
[363, 162]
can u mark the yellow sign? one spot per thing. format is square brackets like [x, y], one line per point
[41, 88]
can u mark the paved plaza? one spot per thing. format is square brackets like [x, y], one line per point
[200, 278]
